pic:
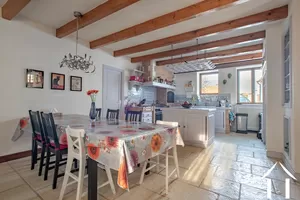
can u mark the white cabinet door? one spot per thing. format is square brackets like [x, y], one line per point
[195, 128]
[175, 116]
[210, 124]
[219, 121]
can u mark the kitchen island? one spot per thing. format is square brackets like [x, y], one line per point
[196, 125]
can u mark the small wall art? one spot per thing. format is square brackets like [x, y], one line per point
[34, 78]
[57, 81]
[76, 83]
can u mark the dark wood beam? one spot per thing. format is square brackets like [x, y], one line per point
[218, 43]
[12, 7]
[212, 54]
[101, 11]
[270, 15]
[162, 21]
[231, 64]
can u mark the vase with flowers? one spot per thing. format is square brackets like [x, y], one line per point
[93, 111]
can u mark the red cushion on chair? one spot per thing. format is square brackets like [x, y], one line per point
[38, 137]
[61, 146]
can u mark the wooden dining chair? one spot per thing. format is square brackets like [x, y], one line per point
[98, 110]
[133, 116]
[53, 146]
[156, 164]
[38, 140]
[112, 114]
[77, 150]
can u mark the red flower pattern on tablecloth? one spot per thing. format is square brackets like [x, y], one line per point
[122, 175]
[23, 123]
[112, 142]
[63, 139]
[170, 130]
[93, 151]
[156, 142]
[134, 157]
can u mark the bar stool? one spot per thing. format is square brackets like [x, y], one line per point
[166, 166]
[77, 150]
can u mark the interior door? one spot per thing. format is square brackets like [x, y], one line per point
[112, 89]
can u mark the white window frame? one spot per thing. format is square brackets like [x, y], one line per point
[252, 85]
[200, 83]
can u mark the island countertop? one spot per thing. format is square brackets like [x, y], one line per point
[207, 109]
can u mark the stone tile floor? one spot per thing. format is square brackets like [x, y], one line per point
[231, 168]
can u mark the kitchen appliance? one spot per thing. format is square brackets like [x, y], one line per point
[222, 103]
[241, 123]
[158, 114]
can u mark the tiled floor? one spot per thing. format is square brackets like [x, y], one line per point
[232, 168]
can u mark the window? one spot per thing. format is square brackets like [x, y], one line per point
[209, 83]
[250, 85]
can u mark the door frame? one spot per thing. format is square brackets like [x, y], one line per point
[107, 67]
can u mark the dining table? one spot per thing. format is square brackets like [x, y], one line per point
[118, 144]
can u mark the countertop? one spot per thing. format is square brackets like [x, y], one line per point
[208, 109]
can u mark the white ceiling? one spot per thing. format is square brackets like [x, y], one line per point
[55, 13]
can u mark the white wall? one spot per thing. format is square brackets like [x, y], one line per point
[274, 100]
[24, 45]
[182, 79]
[231, 86]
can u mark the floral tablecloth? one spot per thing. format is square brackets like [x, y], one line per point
[24, 126]
[120, 145]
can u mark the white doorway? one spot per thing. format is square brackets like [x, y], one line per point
[112, 89]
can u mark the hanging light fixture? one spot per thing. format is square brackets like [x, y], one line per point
[190, 66]
[76, 62]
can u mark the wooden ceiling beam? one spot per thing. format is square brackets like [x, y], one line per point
[231, 64]
[218, 43]
[162, 21]
[94, 15]
[212, 54]
[238, 58]
[12, 7]
[270, 15]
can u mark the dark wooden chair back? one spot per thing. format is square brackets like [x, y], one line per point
[50, 129]
[133, 116]
[36, 124]
[98, 113]
[112, 114]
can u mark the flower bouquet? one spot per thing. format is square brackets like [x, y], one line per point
[93, 111]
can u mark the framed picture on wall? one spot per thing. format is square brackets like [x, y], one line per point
[76, 83]
[34, 78]
[57, 81]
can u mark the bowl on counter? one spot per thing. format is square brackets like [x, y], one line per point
[187, 105]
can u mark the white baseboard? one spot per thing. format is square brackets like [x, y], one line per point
[274, 154]
[288, 165]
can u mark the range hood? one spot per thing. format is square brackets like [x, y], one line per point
[160, 85]
[151, 75]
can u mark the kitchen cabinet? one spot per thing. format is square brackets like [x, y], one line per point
[222, 120]
[173, 116]
[197, 126]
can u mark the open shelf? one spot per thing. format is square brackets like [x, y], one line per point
[161, 85]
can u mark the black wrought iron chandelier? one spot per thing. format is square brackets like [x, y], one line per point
[76, 62]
